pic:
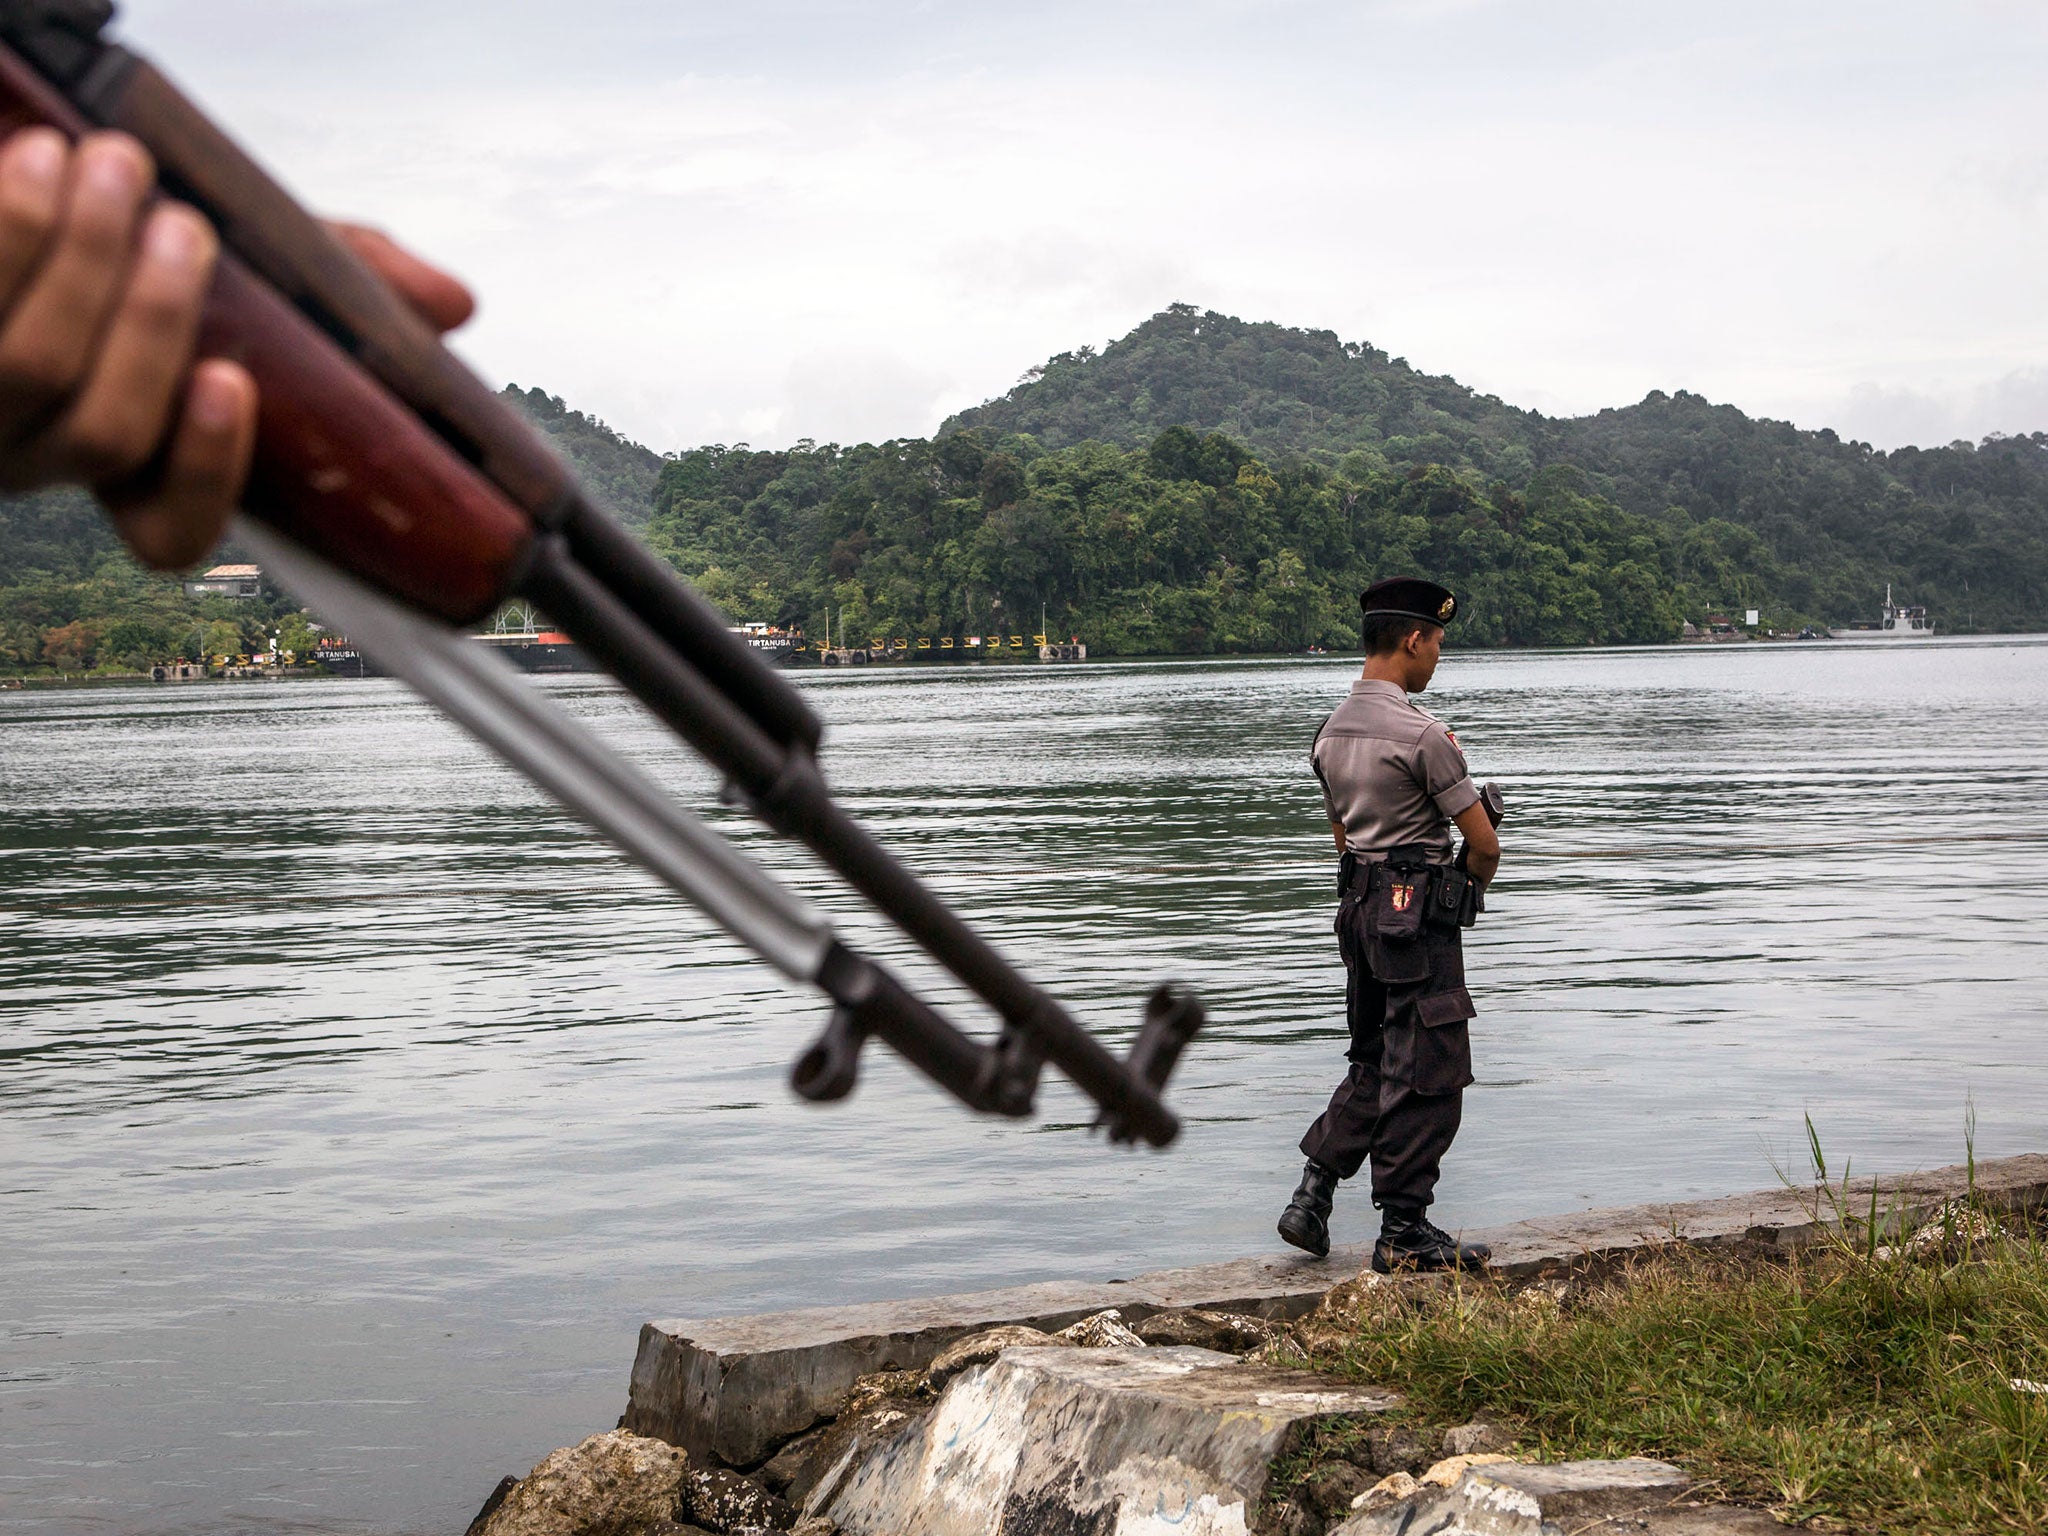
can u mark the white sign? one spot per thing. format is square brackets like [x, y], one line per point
[1751, 620]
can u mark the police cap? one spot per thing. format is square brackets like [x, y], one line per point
[1411, 598]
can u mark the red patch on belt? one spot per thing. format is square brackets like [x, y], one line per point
[1403, 896]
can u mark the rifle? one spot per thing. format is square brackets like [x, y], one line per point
[399, 497]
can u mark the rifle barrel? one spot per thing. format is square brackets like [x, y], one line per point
[481, 692]
[487, 697]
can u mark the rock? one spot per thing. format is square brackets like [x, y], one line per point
[505, 1485]
[844, 1444]
[731, 1389]
[1507, 1498]
[1288, 1518]
[1095, 1440]
[979, 1349]
[1399, 1448]
[1330, 1489]
[814, 1525]
[1347, 1307]
[725, 1501]
[869, 1390]
[1229, 1333]
[1285, 1352]
[1105, 1330]
[781, 1469]
[1953, 1226]
[1475, 1439]
[1545, 1295]
[1446, 1472]
[614, 1484]
[1584, 1490]
[1395, 1485]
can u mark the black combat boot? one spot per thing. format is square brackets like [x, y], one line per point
[1410, 1242]
[1306, 1221]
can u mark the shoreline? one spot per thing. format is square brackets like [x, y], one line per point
[736, 1386]
[1219, 1391]
[26, 680]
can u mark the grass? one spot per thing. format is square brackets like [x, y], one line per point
[1846, 1385]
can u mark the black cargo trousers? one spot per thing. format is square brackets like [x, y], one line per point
[1399, 931]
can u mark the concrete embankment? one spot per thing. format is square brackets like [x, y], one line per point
[1130, 1407]
[735, 1387]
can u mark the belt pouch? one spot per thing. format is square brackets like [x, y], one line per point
[1448, 898]
[1394, 949]
[1395, 903]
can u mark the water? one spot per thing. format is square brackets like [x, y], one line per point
[357, 1108]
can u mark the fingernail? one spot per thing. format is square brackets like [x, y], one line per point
[214, 402]
[176, 237]
[37, 157]
[112, 171]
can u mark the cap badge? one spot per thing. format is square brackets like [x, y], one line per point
[1449, 604]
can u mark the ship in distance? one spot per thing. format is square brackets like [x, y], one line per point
[1896, 621]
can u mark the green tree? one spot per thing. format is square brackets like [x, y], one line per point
[224, 638]
[135, 642]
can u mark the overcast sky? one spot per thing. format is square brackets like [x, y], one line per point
[841, 219]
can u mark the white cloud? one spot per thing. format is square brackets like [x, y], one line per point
[845, 220]
[1939, 414]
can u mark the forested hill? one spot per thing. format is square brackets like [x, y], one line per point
[1963, 527]
[1288, 392]
[1208, 485]
[1277, 390]
[619, 472]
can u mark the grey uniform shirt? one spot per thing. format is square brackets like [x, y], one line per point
[1391, 773]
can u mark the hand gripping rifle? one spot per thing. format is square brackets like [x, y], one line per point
[401, 498]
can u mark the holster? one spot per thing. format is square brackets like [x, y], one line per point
[1454, 899]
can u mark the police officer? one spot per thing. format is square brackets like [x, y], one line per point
[1394, 781]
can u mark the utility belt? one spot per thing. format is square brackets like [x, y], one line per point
[1408, 890]
[1400, 927]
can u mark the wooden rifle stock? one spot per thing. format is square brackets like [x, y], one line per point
[341, 466]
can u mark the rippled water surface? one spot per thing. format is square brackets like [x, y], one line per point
[355, 1108]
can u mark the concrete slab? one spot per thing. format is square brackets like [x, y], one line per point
[1508, 1499]
[1132, 1440]
[1783, 1217]
[734, 1388]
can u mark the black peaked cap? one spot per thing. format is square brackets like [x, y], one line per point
[1410, 597]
